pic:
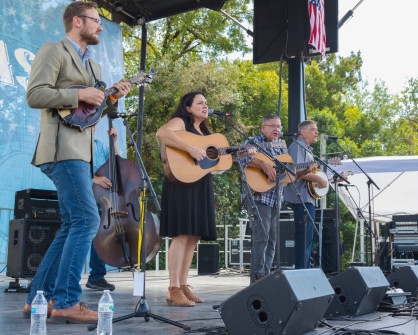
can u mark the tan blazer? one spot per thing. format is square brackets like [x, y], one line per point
[56, 67]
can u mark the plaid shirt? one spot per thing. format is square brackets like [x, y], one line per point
[268, 198]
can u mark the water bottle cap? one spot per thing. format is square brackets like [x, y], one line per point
[106, 291]
[40, 292]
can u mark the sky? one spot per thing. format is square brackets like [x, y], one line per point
[386, 34]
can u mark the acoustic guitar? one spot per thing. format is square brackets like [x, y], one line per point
[86, 115]
[180, 167]
[258, 180]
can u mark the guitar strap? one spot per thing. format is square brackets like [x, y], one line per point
[94, 76]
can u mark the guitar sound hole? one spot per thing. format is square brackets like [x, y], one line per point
[212, 153]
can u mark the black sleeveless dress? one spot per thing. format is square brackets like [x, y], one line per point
[188, 209]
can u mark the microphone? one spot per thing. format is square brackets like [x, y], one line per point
[212, 111]
[115, 115]
[288, 134]
[327, 137]
[345, 185]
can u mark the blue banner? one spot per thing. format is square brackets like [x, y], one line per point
[25, 26]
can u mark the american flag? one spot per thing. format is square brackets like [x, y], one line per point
[317, 20]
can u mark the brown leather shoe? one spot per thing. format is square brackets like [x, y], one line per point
[27, 309]
[76, 314]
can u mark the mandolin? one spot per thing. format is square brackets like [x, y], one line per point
[180, 167]
[86, 115]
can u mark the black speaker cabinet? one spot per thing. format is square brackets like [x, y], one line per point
[284, 302]
[405, 278]
[330, 238]
[282, 30]
[287, 241]
[358, 291]
[207, 258]
[29, 239]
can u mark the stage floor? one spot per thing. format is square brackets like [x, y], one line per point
[202, 318]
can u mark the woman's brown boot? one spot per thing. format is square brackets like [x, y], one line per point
[178, 298]
[189, 295]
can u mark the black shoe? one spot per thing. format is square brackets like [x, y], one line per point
[100, 285]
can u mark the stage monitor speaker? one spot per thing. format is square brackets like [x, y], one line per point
[282, 30]
[284, 302]
[207, 258]
[358, 291]
[405, 278]
[29, 239]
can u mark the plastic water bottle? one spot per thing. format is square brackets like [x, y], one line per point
[38, 314]
[104, 326]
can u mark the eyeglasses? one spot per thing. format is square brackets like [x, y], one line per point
[274, 126]
[98, 21]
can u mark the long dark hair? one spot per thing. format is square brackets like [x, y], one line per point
[181, 110]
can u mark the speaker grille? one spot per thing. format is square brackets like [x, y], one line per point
[29, 240]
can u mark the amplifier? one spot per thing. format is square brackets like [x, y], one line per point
[36, 204]
[405, 247]
[404, 224]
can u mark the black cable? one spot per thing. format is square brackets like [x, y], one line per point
[221, 330]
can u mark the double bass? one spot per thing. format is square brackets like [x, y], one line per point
[116, 241]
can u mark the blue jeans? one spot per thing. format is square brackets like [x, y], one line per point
[302, 261]
[263, 241]
[98, 267]
[60, 271]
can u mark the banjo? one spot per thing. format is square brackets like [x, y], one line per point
[319, 193]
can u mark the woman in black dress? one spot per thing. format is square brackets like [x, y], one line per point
[188, 210]
[187, 213]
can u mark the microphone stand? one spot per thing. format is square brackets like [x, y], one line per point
[249, 199]
[370, 181]
[142, 308]
[279, 166]
[359, 211]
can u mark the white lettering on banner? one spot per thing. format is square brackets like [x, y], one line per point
[6, 76]
[23, 57]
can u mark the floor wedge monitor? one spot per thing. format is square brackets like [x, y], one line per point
[358, 291]
[405, 278]
[284, 302]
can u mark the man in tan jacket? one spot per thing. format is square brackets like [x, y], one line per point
[65, 155]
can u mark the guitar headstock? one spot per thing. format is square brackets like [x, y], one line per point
[334, 161]
[143, 78]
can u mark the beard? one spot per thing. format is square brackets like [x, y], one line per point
[89, 38]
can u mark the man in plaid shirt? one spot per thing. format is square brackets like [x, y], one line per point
[263, 239]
